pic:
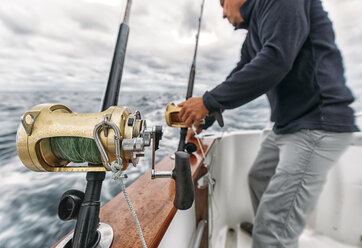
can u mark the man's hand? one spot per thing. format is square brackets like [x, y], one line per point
[193, 111]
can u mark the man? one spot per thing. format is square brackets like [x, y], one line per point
[289, 54]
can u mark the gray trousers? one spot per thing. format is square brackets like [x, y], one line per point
[286, 180]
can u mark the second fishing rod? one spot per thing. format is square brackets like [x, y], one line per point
[190, 85]
[191, 147]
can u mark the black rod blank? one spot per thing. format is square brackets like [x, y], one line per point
[111, 93]
[190, 85]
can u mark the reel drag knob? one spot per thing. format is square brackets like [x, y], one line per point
[69, 205]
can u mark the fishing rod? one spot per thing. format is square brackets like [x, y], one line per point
[190, 85]
[85, 233]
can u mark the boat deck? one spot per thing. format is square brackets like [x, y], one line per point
[235, 238]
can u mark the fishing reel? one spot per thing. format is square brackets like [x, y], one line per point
[51, 136]
[173, 120]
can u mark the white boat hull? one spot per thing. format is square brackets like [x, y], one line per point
[336, 221]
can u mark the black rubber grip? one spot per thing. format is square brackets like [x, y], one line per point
[184, 185]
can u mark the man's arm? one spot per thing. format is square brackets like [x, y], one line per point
[209, 120]
[283, 28]
[238, 67]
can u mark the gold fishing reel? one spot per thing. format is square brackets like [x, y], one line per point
[172, 116]
[119, 135]
[173, 119]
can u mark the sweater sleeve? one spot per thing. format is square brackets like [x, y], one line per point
[283, 27]
[238, 67]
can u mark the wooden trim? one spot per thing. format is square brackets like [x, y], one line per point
[153, 203]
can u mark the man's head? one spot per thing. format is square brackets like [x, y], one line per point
[231, 11]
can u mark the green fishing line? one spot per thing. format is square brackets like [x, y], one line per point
[76, 149]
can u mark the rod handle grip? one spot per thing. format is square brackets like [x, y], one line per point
[185, 195]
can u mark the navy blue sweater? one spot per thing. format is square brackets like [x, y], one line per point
[290, 54]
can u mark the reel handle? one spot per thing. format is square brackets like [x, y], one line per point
[184, 196]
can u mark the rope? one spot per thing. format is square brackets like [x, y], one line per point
[118, 175]
[198, 140]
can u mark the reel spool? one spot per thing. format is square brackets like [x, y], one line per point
[47, 126]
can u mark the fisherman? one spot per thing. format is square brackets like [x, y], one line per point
[290, 55]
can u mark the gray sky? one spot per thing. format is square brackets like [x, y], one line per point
[68, 45]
